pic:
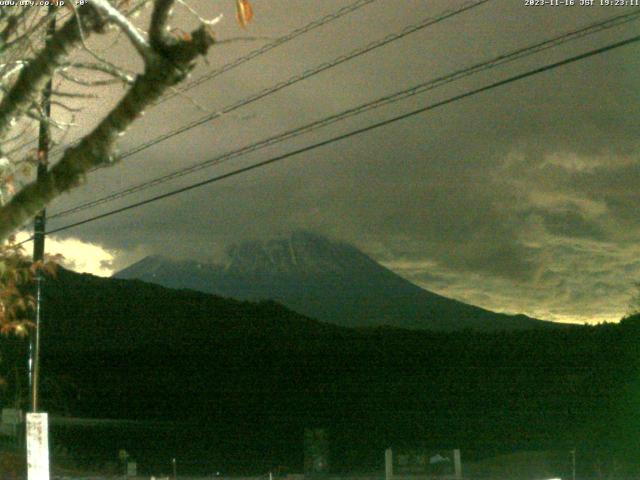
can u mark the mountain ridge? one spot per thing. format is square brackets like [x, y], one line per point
[328, 280]
[260, 374]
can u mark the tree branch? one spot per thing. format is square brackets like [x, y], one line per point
[137, 40]
[172, 60]
[159, 19]
[35, 75]
[118, 73]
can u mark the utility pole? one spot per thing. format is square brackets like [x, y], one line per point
[573, 463]
[39, 223]
[37, 424]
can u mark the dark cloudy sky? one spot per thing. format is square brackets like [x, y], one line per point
[520, 199]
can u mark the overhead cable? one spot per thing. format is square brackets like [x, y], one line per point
[352, 133]
[377, 103]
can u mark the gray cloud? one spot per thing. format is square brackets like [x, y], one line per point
[519, 199]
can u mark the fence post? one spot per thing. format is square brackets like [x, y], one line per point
[457, 463]
[388, 464]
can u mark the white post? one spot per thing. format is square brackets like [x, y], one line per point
[37, 446]
[457, 463]
[388, 464]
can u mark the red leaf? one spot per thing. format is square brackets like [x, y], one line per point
[244, 12]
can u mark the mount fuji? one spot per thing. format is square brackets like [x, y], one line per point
[326, 280]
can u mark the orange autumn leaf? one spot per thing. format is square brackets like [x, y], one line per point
[42, 156]
[9, 186]
[181, 34]
[244, 13]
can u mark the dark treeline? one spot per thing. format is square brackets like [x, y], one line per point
[243, 380]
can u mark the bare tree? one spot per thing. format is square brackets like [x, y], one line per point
[29, 60]
[26, 69]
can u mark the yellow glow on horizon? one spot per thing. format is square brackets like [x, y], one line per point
[79, 256]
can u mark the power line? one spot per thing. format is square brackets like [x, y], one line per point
[352, 133]
[385, 100]
[266, 48]
[309, 73]
[250, 56]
